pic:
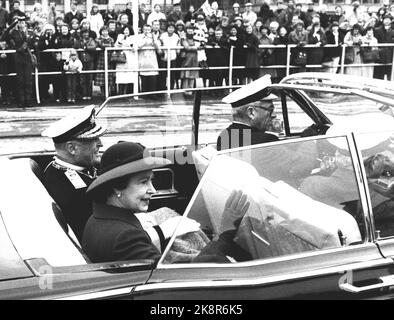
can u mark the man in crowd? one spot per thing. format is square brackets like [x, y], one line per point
[15, 12]
[77, 143]
[73, 14]
[3, 19]
[249, 14]
[176, 13]
[385, 34]
[253, 113]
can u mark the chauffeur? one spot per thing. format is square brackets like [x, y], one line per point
[77, 143]
[253, 112]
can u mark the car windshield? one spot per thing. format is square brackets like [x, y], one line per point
[302, 195]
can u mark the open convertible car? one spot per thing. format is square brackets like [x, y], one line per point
[320, 222]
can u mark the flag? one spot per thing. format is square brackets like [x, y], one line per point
[206, 8]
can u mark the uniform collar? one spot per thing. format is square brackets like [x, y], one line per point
[241, 123]
[68, 165]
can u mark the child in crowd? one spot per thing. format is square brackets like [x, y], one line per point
[59, 80]
[73, 66]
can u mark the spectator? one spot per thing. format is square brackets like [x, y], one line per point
[5, 84]
[333, 55]
[176, 12]
[59, 82]
[123, 23]
[162, 26]
[85, 24]
[324, 18]
[280, 54]
[189, 16]
[23, 63]
[73, 67]
[104, 41]
[75, 30]
[252, 58]
[274, 26]
[52, 14]
[129, 13]
[38, 16]
[109, 14]
[65, 40]
[4, 19]
[265, 54]
[281, 14]
[156, 31]
[238, 23]
[156, 15]
[249, 15]
[299, 14]
[298, 36]
[73, 14]
[143, 14]
[168, 39]
[339, 16]
[214, 18]
[237, 41]
[369, 40]
[235, 12]
[290, 10]
[45, 59]
[87, 56]
[256, 28]
[266, 14]
[127, 80]
[190, 60]
[385, 34]
[15, 12]
[95, 19]
[58, 26]
[353, 39]
[309, 14]
[179, 27]
[356, 15]
[225, 25]
[147, 59]
[201, 38]
[318, 38]
[112, 30]
[218, 57]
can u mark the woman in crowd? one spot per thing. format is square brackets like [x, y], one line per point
[189, 16]
[104, 41]
[147, 59]
[339, 15]
[298, 36]
[85, 24]
[190, 59]
[156, 15]
[123, 22]
[280, 54]
[64, 40]
[353, 55]
[75, 30]
[110, 14]
[95, 19]
[318, 38]
[369, 40]
[127, 81]
[87, 56]
[266, 57]
[38, 16]
[237, 42]
[252, 57]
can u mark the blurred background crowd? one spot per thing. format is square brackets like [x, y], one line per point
[201, 36]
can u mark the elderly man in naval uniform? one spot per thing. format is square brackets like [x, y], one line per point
[77, 144]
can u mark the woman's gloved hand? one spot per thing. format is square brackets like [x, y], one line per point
[235, 208]
[186, 225]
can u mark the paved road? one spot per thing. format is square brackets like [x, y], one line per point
[153, 123]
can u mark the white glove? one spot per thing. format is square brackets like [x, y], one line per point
[186, 225]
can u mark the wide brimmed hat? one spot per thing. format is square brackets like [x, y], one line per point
[123, 159]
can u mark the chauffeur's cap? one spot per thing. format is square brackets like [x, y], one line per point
[80, 124]
[254, 91]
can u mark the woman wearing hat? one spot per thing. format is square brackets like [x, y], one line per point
[353, 39]
[124, 188]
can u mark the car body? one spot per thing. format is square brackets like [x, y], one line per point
[319, 225]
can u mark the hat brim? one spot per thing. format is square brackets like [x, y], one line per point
[93, 133]
[144, 164]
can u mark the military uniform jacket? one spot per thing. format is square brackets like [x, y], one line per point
[115, 234]
[245, 135]
[72, 199]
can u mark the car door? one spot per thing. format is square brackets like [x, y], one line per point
[306, 233]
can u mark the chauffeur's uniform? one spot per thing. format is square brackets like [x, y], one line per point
[66, 182]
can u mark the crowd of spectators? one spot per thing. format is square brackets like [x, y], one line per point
[202, 39]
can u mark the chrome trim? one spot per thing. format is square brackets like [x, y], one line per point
[262, 262]
[100, 294]
[262, 280]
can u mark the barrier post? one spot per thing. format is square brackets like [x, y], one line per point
[168, 71]
[343, 59]
[106, 72]
[288, 48]
[230, 67]
[37, 85]
[392, 67]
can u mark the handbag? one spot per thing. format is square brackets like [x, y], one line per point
[349, 55]
[118, 57]
[300, 58]
[370, 55]
[33, 58]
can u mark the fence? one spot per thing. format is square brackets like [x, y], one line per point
[288, 66]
